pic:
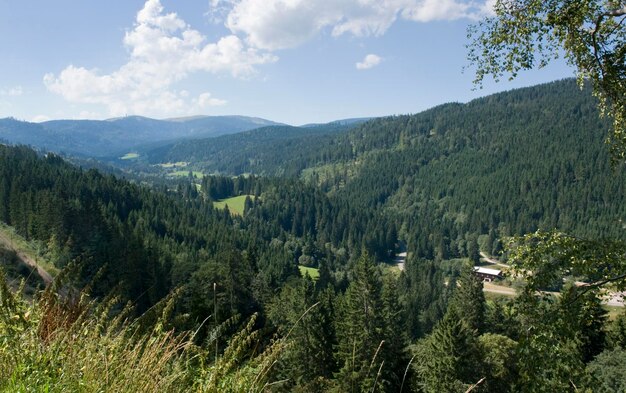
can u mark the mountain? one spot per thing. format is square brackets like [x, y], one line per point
[119, 136]
[269, 150]
[441, 185]
[344, 122]
[511, 162]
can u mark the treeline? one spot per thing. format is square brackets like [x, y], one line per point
[146, 241]
[512, 162]
[502, 165]
[358, 327]
[270, 151]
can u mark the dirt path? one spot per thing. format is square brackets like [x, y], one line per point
[502, 290]
[487, 258]
[45, 276]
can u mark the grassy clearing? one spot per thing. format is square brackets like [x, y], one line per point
[311, 271]
[196, 174]
[129, 156]
[169, 165]
[613, 311]
[235, 204]
[393, 268]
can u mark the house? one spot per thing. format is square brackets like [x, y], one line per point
[486, 274]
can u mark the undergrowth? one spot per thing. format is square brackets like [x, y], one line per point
[65, 342]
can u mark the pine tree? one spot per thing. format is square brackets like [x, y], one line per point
[468, 302]
[307, 317]
[448, 359]
[359, 329]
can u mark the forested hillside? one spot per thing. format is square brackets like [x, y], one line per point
[509, 163]
[273, 151]
[220, 296]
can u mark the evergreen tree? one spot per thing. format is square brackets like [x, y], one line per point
[448, 360]
[307, 317]
[363, 346]
[468, 301]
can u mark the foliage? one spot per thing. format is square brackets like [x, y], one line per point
[616, 332]
[609, 371]
[591, 34]
[304, 316]
[448, 359]
[544, 258]
[368, 340]
[468, 301]
[499, 362]
[67, 342]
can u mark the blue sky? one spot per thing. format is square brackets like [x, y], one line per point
[294, 61]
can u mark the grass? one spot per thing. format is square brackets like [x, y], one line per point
[235, 204]
[613, 311]
[196, 174]
[18, 273]
[129, 156]
[30, 249]
[169, 165]
[311, 271]
[71, 344]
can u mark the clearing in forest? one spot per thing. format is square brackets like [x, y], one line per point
[235, 204]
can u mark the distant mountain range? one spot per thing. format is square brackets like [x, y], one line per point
[100, 138]
[519, 160]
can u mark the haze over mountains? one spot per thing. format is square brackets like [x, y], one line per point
[100, 138]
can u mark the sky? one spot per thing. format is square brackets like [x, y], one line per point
[292, 61]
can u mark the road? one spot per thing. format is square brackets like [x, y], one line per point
[45, 276]
[499, 289]
[489, 259]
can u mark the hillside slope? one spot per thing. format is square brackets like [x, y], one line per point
[117, 136]
[509, 163]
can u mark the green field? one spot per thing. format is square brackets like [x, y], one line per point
[168, 165]
[129, 156]
[613, 311]
[235, 204]
[312, 272]
[196, 174]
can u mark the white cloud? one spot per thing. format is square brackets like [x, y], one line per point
[282, 24]
[205, 100]
[489, 8]
[368, 62]
[163, 50]
[40, 119]
[12, 92]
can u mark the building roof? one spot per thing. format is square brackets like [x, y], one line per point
[484, 270]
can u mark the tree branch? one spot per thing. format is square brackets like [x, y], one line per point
[616, 12]
[587, 287]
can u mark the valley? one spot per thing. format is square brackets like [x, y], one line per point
[334, 242]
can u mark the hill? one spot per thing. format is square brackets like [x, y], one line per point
[96, 138]
[509, 163]
[449, 182]
[273, 150]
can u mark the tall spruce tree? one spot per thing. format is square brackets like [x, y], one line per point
[306, 317]
[448, 359]
[468, 302]
[367, 342]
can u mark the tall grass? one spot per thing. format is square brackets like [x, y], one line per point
[65, 342]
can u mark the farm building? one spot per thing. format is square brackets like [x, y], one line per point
[486, 274]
